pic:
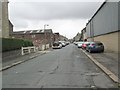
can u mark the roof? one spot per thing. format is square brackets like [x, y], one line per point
[10, 22]
[33, 31]
[56, 33]
[97, 11]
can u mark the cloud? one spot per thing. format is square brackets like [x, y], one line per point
[62, 16]
[19, 23]
[67, 28]
[53, 10]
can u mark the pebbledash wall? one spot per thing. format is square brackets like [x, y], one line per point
[5, 19]
[104, 26]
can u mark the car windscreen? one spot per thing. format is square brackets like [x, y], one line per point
[55, 44]
[99, 44]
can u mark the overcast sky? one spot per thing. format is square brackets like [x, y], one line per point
[68, 17]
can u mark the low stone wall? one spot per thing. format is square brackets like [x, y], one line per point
[47, 46]
[9, 55]
[44, 47]
[110, 41]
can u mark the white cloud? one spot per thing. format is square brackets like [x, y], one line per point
[68, 28]
[68, 18]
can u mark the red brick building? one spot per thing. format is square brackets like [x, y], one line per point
[56, 37]
[39, 38]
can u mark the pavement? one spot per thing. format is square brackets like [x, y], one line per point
[108, 62]
[8, 64]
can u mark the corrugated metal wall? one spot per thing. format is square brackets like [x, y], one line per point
[88, 30]
[105, 21]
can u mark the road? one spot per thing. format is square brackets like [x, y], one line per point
[68, 67]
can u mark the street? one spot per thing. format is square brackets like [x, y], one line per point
[68, 67]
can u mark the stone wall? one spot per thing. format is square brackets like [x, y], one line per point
[9, 55]
[110, 41]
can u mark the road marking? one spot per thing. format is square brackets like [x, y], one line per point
[108, 72]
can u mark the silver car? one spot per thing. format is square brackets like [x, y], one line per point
[80, 44]
[57, 45]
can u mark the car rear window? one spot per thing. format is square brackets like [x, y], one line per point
[56, 44]
[99, 43]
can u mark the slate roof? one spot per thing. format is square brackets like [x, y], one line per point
[33, 31]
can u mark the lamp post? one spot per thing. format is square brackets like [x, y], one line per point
[45, 34]
[45, 26]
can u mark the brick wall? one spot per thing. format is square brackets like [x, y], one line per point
[38, 39]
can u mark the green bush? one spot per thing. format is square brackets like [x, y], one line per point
[13, 44]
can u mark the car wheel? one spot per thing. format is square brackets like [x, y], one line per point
[89, 51]
[102, 51]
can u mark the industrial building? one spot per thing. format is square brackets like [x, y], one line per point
[104, 26]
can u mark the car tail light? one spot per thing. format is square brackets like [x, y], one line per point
[84, 45]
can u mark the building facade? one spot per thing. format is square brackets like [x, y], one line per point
[63, 38]
[83, 35]
[104, 26]
[10, 28]
[42, 39]
[4, 24]
[77, 37]
[56, 37]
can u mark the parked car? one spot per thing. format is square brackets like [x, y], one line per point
[62, 43]
[85, 44]
[75, 43]
[67, 43]
[80, 44]
[95, 47]
[57, 45]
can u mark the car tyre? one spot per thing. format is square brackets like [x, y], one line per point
[89, 51]
[102, 51]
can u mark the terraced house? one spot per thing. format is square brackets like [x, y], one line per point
[42, 39]
[104, 26]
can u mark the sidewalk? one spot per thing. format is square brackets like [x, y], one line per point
[108, 62]
[7, 64]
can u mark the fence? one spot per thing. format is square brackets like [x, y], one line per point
[27, 50]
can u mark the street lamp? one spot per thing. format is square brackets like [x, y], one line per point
[45, 34]
[45, 26]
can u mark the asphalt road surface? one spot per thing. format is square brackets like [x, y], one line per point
[68, 67]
